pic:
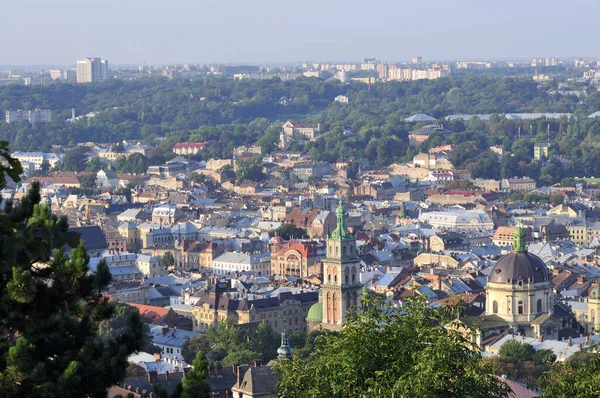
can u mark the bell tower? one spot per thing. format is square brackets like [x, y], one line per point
[341, 267]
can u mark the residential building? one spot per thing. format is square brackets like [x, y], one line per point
[35, 116]
[341, 99]
[448, 241]
[171, 340]
[284, 312]
[234, 262]
[128, 291]
[306, 171]
[92, 70]
[37, 158]
[189, 148]
[524, 184]
[417, 137]
[191, 255]
[317, 223]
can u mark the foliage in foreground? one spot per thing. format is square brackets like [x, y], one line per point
[382, 353]
[51, 308]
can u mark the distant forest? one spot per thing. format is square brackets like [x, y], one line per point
[231, 112]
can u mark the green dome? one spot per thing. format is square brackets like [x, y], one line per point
[315, 313]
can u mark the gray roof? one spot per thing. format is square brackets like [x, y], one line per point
[419, 117]
[93, 238]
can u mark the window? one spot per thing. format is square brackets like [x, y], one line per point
[495, 307]
[520, 308]
[539, 305]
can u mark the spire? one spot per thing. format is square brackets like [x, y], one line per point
[520, 240]
[340, 231]
[284, 352]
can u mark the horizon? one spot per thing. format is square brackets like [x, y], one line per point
[269, 32]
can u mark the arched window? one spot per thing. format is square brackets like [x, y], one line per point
[329, 309]
[353, 274]
[347, 274]
[348, 301]
[495, 307]
[335, 308]
[354, 299]
[539, 305]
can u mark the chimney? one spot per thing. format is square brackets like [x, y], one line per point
[541, 338]
[152, 376]
[256, 364]
[587, 339]
[580, 346]
[157, 357]
[234, 368]
[167, 375]
[239, 376]
[580, 279]
[165, 329]
[569, 342]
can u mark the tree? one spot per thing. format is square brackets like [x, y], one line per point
[557, 199]
[45, 166]
[74, 160]
[266, 342]
[167, 260]
[194, 383]
[192, 346]
[415, 352]
[288, 231]
[577, 377]
[51, 307]
[88, 181]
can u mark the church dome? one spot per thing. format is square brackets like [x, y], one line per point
[517, 266]
[315, 313]
[520, 265]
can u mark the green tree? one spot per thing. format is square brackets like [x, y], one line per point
[45, 166]
[167, 260]
[266, 342]
[51, 308]
[194, 345]
[74, 160]
[579, 377]
[88, 181]
[288, 231]
[557, 199]
[413, 353]
[194, 383]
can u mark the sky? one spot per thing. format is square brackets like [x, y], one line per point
[59, 32]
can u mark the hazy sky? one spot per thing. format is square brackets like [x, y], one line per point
[254, 31]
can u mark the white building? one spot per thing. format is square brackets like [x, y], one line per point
[92, 70]
[341, 99]
[36, 158]
[234, 262]
[35, 116]
[458, 220]
[170, 341]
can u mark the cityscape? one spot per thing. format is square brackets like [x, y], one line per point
[371, 228]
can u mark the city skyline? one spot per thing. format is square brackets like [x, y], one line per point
[243, 33]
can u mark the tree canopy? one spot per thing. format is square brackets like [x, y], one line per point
[51, 307]
[383, 353]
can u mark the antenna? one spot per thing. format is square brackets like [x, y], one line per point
[519, 132]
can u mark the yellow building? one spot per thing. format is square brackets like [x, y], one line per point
[285, 312]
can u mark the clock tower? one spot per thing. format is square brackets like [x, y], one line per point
[341, 266]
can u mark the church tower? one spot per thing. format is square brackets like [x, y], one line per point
[341, 266]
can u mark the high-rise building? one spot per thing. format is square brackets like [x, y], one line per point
[417, 60]
[341, 269]
[55, 74]
[92, 70]
[35, 116]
